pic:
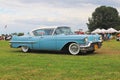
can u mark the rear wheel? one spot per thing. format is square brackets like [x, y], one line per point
[25, 48]
[74, 48]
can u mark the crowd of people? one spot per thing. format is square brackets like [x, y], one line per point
[106, 36]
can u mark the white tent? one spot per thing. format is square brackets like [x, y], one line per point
[99, 31]
[119, 31]
[111, 30]
[96, 31]
[103, 31]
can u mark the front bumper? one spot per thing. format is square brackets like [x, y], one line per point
[91, 46]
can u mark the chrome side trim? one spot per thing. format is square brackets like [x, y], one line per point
[22, 42]
[88, 45]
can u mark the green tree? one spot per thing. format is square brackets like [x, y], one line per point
[14, 33]
[104, 17]
[20, 34]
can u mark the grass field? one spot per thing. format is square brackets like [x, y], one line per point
[104, 64]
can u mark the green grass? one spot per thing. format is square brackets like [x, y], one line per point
[103, 65]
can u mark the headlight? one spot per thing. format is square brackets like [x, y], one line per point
[86, 39]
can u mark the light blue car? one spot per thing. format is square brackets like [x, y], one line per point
[57, 39]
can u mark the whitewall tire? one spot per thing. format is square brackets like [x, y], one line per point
[74, 48]
[25, 49]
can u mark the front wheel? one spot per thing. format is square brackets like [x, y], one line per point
[25, 48]
[74, 48]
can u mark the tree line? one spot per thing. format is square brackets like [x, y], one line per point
[104, 17]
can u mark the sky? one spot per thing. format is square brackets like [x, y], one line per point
[25, 15]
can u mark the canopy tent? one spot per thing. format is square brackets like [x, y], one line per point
[119, 31]
[96, 31]
[103, 31]
[111, 30]
[99, 31]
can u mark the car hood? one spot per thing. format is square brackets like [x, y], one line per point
[93, 38]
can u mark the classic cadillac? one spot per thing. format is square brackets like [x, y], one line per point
[57, 39]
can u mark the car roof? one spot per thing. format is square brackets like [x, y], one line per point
[42, 27]
[45, 27]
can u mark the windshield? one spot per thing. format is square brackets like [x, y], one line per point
[41, 32]
[63, 30]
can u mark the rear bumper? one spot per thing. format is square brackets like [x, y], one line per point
[91, 46]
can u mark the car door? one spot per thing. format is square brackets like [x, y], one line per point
[47, 42]
[36, 40]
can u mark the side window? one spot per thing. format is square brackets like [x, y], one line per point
[41, 32]
[58, 31]
[38, 32]
[63, 30]
[35, 33]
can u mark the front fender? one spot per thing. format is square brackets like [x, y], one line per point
[62, 45]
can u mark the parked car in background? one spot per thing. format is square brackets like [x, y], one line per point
[118, 37]
[57, 39]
